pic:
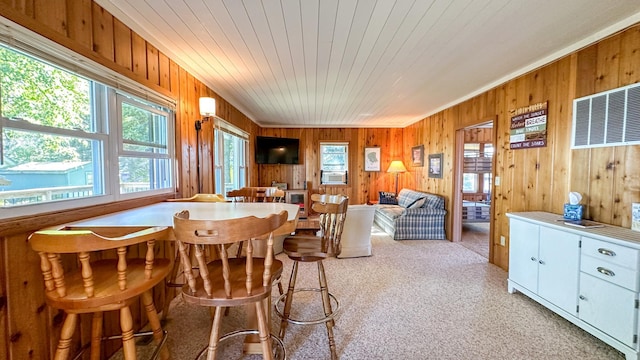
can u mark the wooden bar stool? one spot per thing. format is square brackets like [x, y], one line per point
[106, 280]
[227, 282]
[175, 278]
[309, 249]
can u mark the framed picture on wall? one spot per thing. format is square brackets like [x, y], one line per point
[417, 155]
[435, 166]
[372, 159]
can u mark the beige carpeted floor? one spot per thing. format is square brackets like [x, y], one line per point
[475, 237]
[412, 300]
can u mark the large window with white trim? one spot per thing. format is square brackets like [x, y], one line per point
[334, 163]
[230, 157]
[67, 140]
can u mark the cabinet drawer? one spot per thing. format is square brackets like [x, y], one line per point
[610, 272]
[612, 253]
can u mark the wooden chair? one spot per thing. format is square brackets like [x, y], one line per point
[108, 277]
[254, 194]
[332, 210]
[274, 195]
[245, 194]
[227, 282]
[172, 280]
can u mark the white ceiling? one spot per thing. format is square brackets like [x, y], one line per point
[364, 63]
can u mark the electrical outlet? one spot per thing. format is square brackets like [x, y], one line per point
[496, 181]
[503, 241]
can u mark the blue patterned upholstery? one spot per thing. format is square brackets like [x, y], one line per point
[415, 223]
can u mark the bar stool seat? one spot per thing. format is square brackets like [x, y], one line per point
[314, 249]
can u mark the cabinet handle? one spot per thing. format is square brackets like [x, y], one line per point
[582, 297]
[606, 252]
[605, 271]
[533, 259]
[541, 262]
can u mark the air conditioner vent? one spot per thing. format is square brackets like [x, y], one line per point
[609, 118]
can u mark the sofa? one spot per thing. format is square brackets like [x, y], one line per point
[416, 216]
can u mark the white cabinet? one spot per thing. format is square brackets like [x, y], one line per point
[609, 275]
[609, 308]
[545, 262]
[591, 277]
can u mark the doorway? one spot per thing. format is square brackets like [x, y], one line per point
[474, 185]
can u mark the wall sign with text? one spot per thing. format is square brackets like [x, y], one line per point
[529, 127]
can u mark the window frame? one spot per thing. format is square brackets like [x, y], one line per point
[343, 173]
[241, 154]
[106, 118]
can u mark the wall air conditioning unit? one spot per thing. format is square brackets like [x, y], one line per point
[610, 118]
[333, 177]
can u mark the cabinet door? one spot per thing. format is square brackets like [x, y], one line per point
[523, 253]
[608, 307]
[558, 257]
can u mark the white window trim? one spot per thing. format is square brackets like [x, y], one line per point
[343, 175]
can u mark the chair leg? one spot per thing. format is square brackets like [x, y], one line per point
[126, 324]
[280, 288]
[64, 344]
[263, 330]
[326, 303]
[169, 284]
[215, 334]
[154, 321]
[96, 335]
[288, 299]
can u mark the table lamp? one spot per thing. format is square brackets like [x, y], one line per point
[396, 167]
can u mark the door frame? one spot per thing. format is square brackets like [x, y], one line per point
[458, 170]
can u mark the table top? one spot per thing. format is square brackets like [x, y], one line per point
[161, 214]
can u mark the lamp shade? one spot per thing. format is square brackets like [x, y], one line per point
[207, 106]
[396, 166]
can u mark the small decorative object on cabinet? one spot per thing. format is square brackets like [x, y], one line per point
[589, 276]
[300, 198]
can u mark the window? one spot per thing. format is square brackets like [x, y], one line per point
[334, 162]
[69, 141]
[230, 157]
[144, 160]
[477, 168]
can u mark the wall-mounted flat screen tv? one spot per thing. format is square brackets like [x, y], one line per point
[274, 150]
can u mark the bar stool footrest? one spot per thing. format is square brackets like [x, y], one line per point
[335, 307]
[154, 355]
[280, 353]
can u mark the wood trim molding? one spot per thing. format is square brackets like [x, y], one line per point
[27, 224]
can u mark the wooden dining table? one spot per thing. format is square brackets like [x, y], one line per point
[161, 214]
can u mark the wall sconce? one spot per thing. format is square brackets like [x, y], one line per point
[207, 106]
[396, 167]
[207, 109]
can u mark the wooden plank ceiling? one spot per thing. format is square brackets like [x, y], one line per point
[349, 63]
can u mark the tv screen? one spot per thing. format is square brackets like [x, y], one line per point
[274, 150]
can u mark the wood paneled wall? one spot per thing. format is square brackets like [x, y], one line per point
[540, 179]
[363, 186]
